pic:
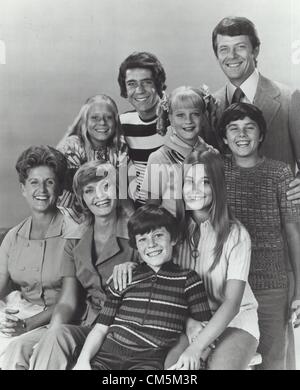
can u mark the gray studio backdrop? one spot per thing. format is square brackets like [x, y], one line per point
[57, 53]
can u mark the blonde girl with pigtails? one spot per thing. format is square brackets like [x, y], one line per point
[182, 117]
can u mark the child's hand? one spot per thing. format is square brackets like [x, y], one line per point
[82, 365]
[189, 359]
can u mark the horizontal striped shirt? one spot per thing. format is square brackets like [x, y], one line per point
[142, 139]
[152, 311]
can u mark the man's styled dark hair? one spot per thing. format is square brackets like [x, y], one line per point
[235, 25]
[143, 60]
[151, 217]
[238, 111]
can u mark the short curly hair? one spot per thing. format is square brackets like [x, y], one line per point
[36, 156]
[147, 61]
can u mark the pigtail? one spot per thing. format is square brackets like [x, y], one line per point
[211, 106]
[163, 115]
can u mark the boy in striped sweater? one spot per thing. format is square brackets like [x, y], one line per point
[142, 82]
[139, 324]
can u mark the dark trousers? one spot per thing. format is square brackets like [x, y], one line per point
[113, 356]
[273, 326]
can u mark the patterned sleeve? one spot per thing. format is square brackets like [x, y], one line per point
[196, 297]
[111, 305]
[288, 210]
[123, 153]
[72, 148]
[68, 265]
[238, 253]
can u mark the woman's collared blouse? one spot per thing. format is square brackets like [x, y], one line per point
[34, 266]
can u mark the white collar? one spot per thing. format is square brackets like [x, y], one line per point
[249, 87]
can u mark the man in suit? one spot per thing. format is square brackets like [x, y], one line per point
[236, 46]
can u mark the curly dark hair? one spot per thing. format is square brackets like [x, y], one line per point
[36, 156]
[147, 61]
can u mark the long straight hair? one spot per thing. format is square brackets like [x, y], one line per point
[79, 125]
[219, 212]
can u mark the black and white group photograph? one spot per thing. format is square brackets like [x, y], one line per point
[150, 187]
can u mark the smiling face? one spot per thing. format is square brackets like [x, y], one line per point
[197, 191]
[41, 189]
[243, 138]
[100, 197]
[141, 92]
[186, 121]
[236, 57]
[155, 247]
[101, 123]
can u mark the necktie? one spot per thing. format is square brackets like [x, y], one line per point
[237, 96]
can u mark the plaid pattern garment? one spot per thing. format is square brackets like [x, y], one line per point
[152, 311]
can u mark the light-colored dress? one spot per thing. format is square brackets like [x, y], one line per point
[234, 264]
[34, 267]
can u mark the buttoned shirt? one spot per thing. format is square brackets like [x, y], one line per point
[35, 265]
[153, 309]
[77, 261]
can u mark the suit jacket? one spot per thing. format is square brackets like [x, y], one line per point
[281, 108]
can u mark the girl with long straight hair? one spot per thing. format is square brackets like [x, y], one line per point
[218, 247]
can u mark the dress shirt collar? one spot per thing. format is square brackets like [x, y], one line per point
[249, 88]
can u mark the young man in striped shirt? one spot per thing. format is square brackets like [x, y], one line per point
[138, 325]
[142, 81]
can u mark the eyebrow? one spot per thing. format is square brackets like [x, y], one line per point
[37, 178]
[146, 79]
[247, 123]
[227, 44]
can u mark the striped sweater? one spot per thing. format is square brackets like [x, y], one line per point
[152, 311]
[142, 139]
